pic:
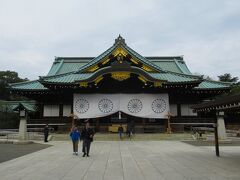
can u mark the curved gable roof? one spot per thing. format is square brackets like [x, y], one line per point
[69, 69]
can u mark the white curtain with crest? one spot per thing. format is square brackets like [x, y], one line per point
[139, 105]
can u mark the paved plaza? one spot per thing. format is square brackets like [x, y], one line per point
[129, 160]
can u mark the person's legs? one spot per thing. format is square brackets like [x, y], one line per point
[73, 146]
[84, 148]
[76, 147]
[88, 144]
[45, 137]
[120, 135]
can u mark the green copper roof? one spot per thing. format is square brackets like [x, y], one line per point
[77, 76]
[141, 58]
[170, 63]
[65, 65]
[28, 85]
[173, 78]
[10, 106]
[212, 85]
[25, 106]
[182, 66]
[67, 78]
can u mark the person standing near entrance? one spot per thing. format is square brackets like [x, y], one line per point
[120, 131]
[75, 136]
[46, 132]
[87, 137]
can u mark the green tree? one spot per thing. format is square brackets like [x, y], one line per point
[235, 89]
[7, 77]
[227, 77]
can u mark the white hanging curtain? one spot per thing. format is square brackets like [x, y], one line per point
[139, 105]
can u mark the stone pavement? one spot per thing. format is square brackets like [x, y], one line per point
[128, 160]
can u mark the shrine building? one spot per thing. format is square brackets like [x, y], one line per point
[118, 86]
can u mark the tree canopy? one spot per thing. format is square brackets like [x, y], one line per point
[7, 77]
[227, 77]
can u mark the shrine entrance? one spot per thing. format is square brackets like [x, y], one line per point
[140, 125]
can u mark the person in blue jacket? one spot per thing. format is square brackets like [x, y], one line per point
[75, 136]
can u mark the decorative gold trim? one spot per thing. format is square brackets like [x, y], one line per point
[106, 61]
[142, 79]
[93, 68]
[146, 68]
[120, 76]
[120, 51]
[83, 84]
[98, 79]
[158, 84]
[134, 61]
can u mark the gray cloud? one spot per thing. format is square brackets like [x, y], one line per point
[205, 32]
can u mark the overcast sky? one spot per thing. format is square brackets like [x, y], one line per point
[206, 32]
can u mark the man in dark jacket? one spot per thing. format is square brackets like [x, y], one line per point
[46, 131]
[120, 131]
[87, 137]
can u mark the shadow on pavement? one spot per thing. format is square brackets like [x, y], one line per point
[12, 151]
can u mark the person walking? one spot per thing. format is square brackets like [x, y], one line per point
[87, 137]
[46, 132]
[75, 136]
[120, 131]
